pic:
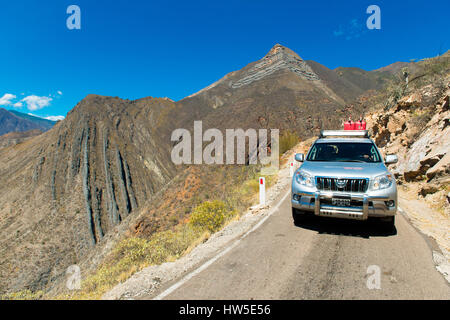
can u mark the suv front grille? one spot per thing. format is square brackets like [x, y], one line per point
[347, 185]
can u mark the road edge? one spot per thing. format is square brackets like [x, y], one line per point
[437, 257]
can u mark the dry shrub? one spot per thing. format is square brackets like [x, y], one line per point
[211, 215]
[288, 139]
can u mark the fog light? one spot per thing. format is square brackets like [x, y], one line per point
[296, 197]
[390, 203]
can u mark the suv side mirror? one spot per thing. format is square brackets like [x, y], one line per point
[391, 158]
[300, 157]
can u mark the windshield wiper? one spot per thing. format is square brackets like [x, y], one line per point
[352, 161]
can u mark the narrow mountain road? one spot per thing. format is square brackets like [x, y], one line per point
[320, 259]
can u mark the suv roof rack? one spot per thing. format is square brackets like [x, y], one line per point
[344, 133]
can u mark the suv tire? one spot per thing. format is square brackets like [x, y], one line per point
[389, 223]
[298, 216]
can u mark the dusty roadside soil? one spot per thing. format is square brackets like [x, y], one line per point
[429, 221]
[431, 216]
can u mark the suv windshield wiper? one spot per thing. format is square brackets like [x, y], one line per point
[352, 161]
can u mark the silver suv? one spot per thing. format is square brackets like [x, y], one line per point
[344, 176]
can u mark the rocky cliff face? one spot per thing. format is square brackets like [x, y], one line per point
[62, 191]
[418, 132]
[416, 128]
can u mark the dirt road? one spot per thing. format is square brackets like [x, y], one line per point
[319, 259]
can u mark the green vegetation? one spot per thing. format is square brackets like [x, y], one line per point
[243, 192]
[394, 91]
[23, 295]
[438, 65]
[288, 139]
[425, 72]
[211, 215]
[251, 187]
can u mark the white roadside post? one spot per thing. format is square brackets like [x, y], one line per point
[262, 191]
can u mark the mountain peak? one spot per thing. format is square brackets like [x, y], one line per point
[282, 50]
[278, 58]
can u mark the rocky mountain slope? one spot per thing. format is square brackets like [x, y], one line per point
[416, 128]
[13, 138]
[68, 194]
[283, 91]
[64, 190]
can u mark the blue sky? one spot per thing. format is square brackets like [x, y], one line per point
[133, 49]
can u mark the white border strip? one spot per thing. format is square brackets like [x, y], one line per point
[219, 255]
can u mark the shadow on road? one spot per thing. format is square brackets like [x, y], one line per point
[353, 228]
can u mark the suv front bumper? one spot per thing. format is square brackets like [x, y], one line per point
[319, 203]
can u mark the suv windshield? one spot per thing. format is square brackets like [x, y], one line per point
[344, 152]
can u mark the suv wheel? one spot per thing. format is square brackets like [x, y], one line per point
[298, 216]
[389, 223]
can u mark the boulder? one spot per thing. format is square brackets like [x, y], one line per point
[406, 102]
[396, 125]
[430, 161]
[383, 138]
[429, 189]
[413, 175]
[441, 168]
[426, 153]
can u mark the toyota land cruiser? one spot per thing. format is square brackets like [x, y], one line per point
[343, 175]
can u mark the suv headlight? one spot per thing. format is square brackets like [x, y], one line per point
[382, 182]
[304, 178]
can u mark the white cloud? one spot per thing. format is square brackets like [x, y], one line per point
[54, 118]
[60, 93]
[35, 102]
[6, 99]
[18, 105]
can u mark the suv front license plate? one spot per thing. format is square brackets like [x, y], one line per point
[340, 202]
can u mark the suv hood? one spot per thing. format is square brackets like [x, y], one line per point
[344, 169]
